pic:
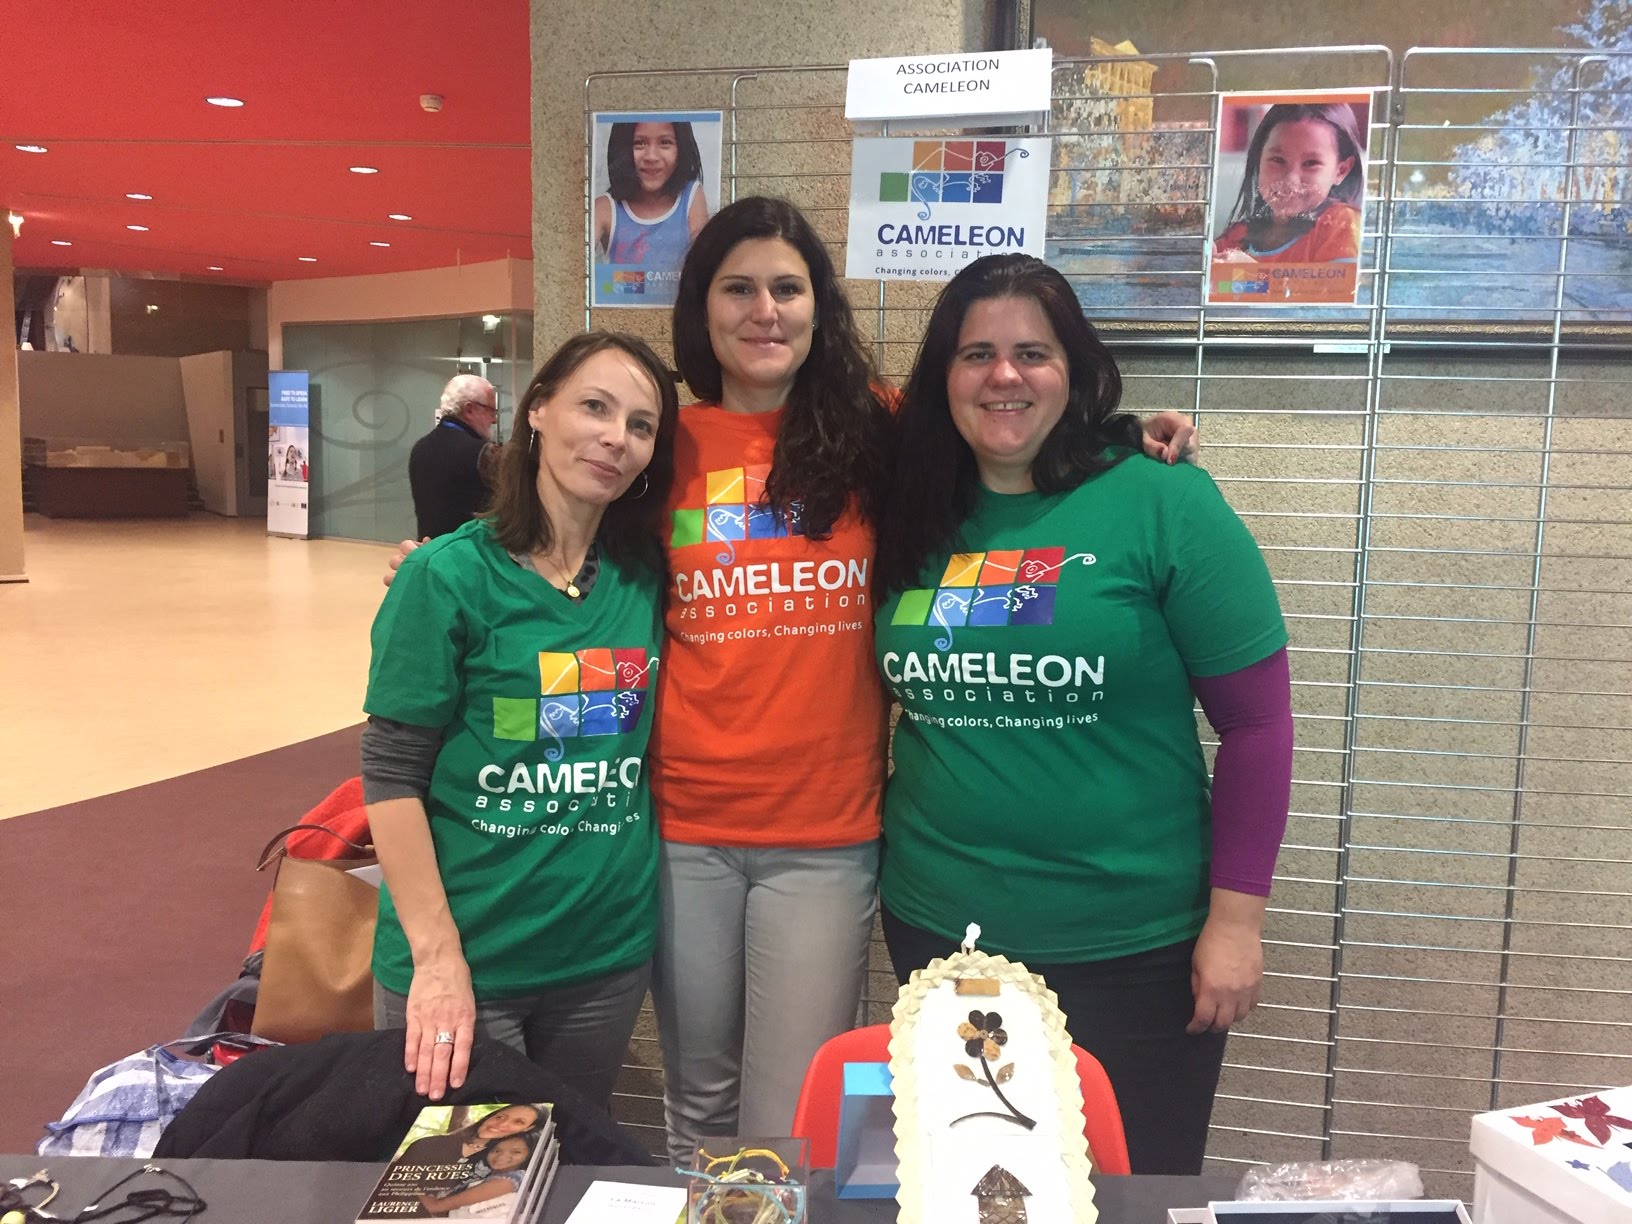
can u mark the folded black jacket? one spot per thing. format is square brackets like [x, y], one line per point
[346, 1097]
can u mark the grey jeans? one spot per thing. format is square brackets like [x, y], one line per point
[580, 1032]
[761, 956]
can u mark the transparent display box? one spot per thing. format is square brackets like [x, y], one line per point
[748, 1181]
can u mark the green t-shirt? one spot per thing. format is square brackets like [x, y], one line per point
[539, 808]
[1049, 783]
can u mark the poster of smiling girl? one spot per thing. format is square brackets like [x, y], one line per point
[655, 181]
[1289, 198]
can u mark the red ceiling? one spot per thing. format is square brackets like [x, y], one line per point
[115, 90]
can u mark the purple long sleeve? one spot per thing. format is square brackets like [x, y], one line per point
[1251, 710]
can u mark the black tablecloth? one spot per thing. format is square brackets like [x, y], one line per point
[290, 1192]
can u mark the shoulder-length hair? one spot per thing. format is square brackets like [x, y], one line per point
[1350, 143]
[832, 446]
[932, 490]
[629, 527]
[622, 181]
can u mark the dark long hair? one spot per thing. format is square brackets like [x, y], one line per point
[935, 480]
[622, 181]
[1350, 143]
[834, 437]
[629, 527]
[529, 1139]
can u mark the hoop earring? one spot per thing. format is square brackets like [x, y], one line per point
[645, 485]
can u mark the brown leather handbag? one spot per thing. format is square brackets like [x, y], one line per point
[315, 977]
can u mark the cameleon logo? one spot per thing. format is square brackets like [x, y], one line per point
[589, 692]
[733, 511]
[628, 283]
[950, 172]
[1001, 587]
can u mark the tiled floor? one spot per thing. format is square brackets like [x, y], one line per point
[143, 650]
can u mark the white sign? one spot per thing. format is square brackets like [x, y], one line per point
[923, 209]
[986, 84]
[607, 1202]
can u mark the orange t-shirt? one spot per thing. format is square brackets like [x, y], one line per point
[770, 713]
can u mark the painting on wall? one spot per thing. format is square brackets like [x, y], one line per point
[1507, 175]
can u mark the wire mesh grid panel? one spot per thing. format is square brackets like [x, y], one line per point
[1437, 477]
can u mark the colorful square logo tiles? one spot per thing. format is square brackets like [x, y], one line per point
[600, 691]
[988, 589]
[948, 172]
[732, 511]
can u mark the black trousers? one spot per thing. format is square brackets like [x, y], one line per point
[1130, 1013]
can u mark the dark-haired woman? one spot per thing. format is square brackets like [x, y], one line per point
[510, 703]
[654, 204]
[768, 755]
[1051, 605]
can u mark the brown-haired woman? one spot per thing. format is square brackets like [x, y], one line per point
[509, 704]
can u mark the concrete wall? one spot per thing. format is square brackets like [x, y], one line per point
[11, 453]
[207, 386]
[96, 397]
[499, 286]
[682, 41]
[172, 318]
[1454, 926]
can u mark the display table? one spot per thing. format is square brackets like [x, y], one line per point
[93, 480]
[289, 1192]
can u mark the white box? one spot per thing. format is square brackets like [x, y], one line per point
[1567, 1161]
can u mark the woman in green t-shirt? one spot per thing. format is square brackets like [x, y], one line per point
[1051, 605]
[509, 703]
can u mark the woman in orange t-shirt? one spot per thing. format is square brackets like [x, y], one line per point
[768, 750]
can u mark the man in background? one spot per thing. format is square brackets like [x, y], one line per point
[447, 469]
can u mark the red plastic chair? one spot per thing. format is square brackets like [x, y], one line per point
[816, 1117]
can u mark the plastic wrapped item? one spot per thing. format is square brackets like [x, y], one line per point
[1343, 1180]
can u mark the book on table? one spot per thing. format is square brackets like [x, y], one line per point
[490, 1161]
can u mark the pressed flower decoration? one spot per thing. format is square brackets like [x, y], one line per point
[983, 1033]
[984, 1039]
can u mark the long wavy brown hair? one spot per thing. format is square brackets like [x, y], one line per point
[833, 444]
[629, 527]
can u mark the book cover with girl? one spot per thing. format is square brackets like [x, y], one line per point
[1291, 188]
[464, 1162]
[655, 182]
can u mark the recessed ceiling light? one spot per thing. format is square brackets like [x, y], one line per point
[137, 195]
[216, 268]
[363, 169]
[308, 258]
[152, 309]
[60, 242]
[398, 217]
[379, 244]
[30, 148]
[225, 101]
[140, 229]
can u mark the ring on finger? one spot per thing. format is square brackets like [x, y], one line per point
[444, 1038]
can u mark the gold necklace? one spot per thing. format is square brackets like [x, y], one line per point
[571, 589]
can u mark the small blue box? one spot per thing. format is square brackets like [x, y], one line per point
[865, 1166]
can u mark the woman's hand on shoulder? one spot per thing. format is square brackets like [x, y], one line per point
[398, 557]
[1170, 437]
[440, 1000]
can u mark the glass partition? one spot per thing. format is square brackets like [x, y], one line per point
[375, 388]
